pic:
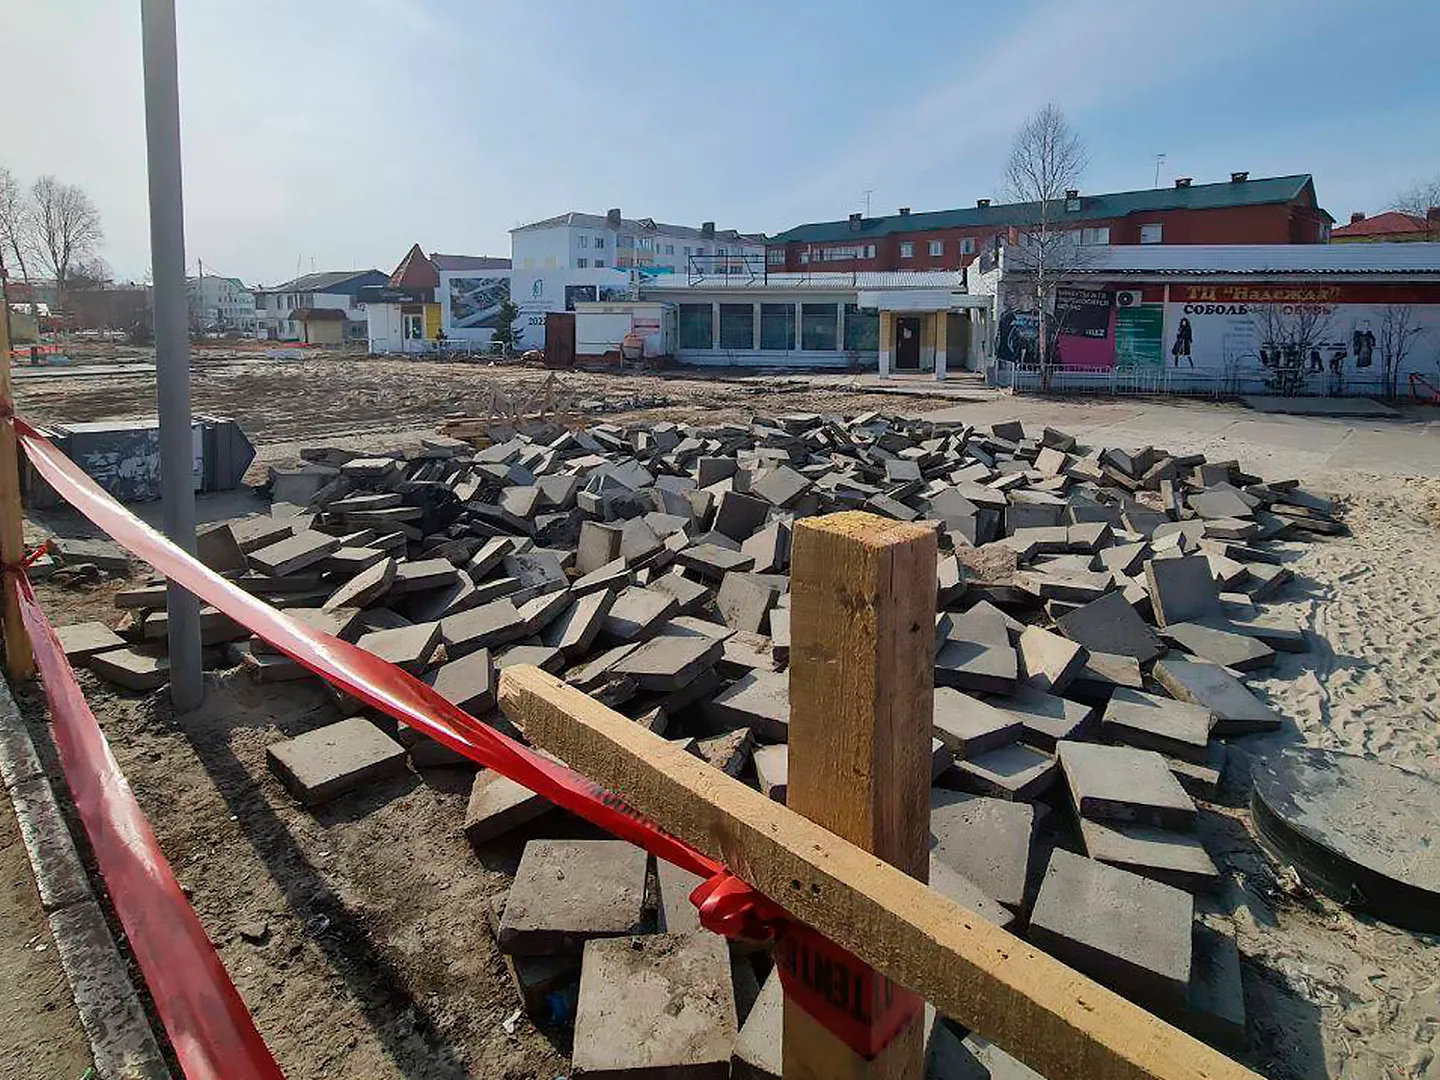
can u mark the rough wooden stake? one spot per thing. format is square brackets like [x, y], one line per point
[1057, 1021]
[19, 660]
[862, 655]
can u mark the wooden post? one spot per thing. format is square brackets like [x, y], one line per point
[862, 659]
[19, 661]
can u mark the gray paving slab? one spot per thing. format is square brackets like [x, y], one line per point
[1237, 711]
[637, 614]
[569, 891]
[986, 840]
[1125, 931]
[80, 641]
[323, 764]
[1120, 783]
[1182, 590]
[744, 601]
[576, 628]
[133, 669]
[759, 701]
[1111, 625]
[976, 666]
[1176, 858]
[408, 647]
[293, 553]
[497, 805]
[1151, 722]
[1046, 718]
[1015, 772]
[1220, 645]
[969, 726]
[468, 682]
[366, 587]
[669, 662]
[1048, 662]
[1215, 1005]
[485, 627]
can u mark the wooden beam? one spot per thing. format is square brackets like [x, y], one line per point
[862, 672]
[19, 660]
[1057, 1021]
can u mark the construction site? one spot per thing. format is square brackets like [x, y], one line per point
[990, 642]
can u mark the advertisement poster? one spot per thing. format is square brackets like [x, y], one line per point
[1140, 336]
[475, 301]
[579, 294]
[1083, 312]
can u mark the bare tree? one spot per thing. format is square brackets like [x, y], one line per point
[15, 222]
[1418, 197]
[1399, 326]
[1045, 164]
[67, 229]
[1291, 341]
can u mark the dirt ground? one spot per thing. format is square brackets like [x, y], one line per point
[357, 934]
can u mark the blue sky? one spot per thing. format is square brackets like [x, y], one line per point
[335, 133]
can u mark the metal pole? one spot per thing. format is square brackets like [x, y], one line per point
[172, 340]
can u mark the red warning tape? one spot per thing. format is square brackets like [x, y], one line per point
[840, 991]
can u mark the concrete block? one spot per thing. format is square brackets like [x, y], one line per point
[730, 752]
[988, 841]
[1014, 772]
[1111, 625]
[712, 562]
[293, 553]
[637, 614]
[1221, 645]
[656, 1006]
[468, 682]
[366, 587]
[1182, 590]
[569, 891]
[497, 805]
[538, 613]
[1151, 722]
[348, 560]
[970, 727]
[1215, 1004]
[542, 656]
[1125, 931]
[670, 662]
[83, 640]
[1127, 559]
[485, 627]
[1046, 718]
[1048, 662]
[676, 914]
[577, 627]
[104, 554]
[408, 647]
[769, 547]
[772, 770]
[1212, 504]
[1119, 783]
[739, 516]
[613, 575]
[258, 531]
[976, 666]
[322, 764]
[413, 577]
[217, 548]
[690, 595]
[132, 668]
[759, 701]
[744, 601]
[779, 487]
[1237, 711]
[1176, 858]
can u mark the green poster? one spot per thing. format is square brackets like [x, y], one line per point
[1139, 336]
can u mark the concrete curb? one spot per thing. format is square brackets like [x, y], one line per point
[121, 1041]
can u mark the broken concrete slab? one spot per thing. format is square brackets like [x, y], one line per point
[1237, 711]
[1111, 625]
[1048, 662]
[988, 841]
[323, 764]
[659, 1005]
[1125, 931]
[970, 727]
[730, 752]
[1176, 858]
[567, 892]
[1119, 783]
[1151, 722]
[497, 805]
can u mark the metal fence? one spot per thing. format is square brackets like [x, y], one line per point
[1234, 381]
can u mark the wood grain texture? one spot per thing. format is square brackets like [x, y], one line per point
[1057, 1021]
[19, 660]
[862, 656]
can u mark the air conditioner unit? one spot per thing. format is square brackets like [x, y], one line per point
[1127, 298]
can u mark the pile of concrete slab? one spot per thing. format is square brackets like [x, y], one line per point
[1097, 611]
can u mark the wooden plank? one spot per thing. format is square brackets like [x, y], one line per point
[19, 660]
[862, 664]
[1057, 1021]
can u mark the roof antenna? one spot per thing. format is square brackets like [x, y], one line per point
[1159, 160]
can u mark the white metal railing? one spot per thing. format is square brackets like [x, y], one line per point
[1231, 381]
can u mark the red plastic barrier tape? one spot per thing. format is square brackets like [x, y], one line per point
[727, 905]
[205, 1017]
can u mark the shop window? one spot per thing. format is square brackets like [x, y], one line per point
[696, 325]
[862, 329]
[817, 327]
[737, 326]
[1095, 236]
[777, 327]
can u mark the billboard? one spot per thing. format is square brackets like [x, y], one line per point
[475, 301]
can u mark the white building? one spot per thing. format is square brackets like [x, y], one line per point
[220, 303]
[577, 241]
[332, 290]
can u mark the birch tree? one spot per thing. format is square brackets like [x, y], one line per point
[66, 229]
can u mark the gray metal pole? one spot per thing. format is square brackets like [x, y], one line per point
[172, 334]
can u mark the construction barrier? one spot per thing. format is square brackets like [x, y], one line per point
[191, 973]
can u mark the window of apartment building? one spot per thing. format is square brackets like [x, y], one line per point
[599, 242]
[937, 248]
[722, 251]
[697, 329]
[625, 241]
[1151, 234]
[862, 329]
[775, 256]
[599, 264]
[907, 250]
[967, 245]
[645, 243]
[805, 256]
[869, 251]
[817, 327]
[777, 326]
[1095, 236]
[687, 250]
[582, 263]
[584, 240]
[737, 326]
[669, 249]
